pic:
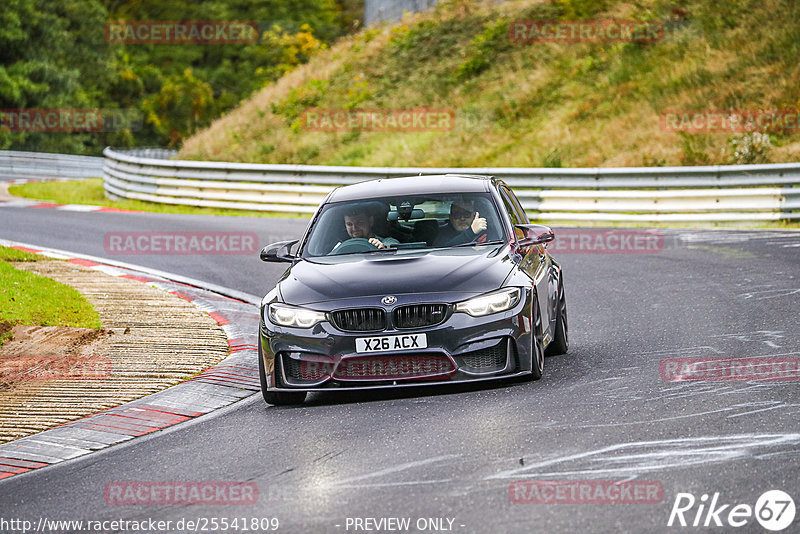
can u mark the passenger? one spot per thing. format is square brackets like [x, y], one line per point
[464, 226]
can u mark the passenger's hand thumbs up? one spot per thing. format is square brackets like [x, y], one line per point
[478, 224]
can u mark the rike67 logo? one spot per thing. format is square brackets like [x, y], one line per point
[774, 510]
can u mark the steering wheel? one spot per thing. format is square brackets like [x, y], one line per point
[353, 245]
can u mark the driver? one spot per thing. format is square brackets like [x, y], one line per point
[359, 223]
[464, 226]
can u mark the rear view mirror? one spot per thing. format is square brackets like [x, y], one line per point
[410, 214]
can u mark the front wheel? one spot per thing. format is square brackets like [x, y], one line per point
[277, 398]
[537, 350]
[560, 343]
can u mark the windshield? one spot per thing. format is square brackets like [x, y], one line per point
[405, 223]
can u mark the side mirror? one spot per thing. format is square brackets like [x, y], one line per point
[533, 234]
[275, 252]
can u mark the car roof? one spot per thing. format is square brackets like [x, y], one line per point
[440, 183]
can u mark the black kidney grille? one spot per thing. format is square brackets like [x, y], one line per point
[418, 315]
[360, 319]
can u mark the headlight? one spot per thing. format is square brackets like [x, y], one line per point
[284, 315]
[496, 302]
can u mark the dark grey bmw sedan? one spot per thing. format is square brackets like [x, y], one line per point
[411, 281]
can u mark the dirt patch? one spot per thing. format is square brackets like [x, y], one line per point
[41, 353]
[5, 327]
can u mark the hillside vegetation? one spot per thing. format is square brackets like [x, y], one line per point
[534, 104]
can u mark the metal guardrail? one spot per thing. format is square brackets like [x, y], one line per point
[634, 194]
[32, 165]
[392, 10]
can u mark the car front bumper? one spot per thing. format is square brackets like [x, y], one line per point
[503, 340]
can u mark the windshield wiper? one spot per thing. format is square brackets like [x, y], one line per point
[473, 243]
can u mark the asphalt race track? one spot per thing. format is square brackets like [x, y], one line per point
[602, 412]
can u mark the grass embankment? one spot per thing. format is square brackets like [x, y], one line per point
[91, 192]
[533, 104]
[30, 299]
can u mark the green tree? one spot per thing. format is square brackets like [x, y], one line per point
[184, 104]
[55, 55]
[51, 56]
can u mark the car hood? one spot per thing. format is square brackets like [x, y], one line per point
[459, 270]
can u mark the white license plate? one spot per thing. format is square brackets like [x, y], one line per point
[387, 343]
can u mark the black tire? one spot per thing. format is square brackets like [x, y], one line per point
[537, 352]
[277, 398]
[560, 343]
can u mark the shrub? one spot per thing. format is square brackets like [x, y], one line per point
[750, 147]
